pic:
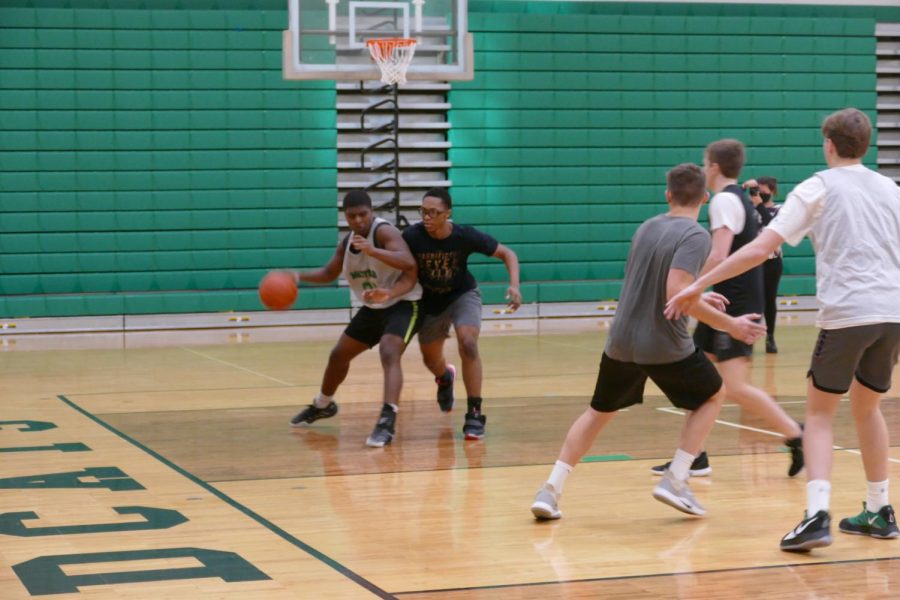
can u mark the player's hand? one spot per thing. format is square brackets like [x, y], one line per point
[376, 296]
[362, 244]
[749, 184]
[682, 302]
[513, 299]
[716, 300]
[746, 328]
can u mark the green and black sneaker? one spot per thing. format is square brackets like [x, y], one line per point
[881, 524]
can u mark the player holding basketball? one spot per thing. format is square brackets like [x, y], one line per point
[852, 216]
[734, 223]
[451, 296]
[381, 272]
[666, 255]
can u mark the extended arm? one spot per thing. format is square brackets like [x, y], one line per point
[509, 258]
[721, 245]
[742, 328]
[327, 273]
[393, 251]
[741, 261]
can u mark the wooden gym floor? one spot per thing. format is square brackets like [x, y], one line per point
[162, 466]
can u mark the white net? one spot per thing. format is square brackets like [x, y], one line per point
[393, 56]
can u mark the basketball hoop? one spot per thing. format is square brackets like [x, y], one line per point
[393, 56]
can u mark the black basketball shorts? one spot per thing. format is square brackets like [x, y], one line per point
[687, 383]
[402, 319]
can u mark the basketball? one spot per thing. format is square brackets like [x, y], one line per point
[277, 290]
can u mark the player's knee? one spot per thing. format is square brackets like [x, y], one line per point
[390, 351]
[468, 347]
[432, 362]
[719, 397]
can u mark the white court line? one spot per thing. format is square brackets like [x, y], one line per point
[675, 411]
[225, 362]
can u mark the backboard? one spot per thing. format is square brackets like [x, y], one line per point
[326, 39]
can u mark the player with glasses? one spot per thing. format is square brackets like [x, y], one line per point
[451, 297]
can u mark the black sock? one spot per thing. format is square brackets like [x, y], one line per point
[474, 404]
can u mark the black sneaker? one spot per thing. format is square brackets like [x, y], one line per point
[699, 468]
[881, 524]
[473, 428]
[796, 447]
[383, 433]
[811, 532]
[445, 397]
[314, 413]
[771, 348]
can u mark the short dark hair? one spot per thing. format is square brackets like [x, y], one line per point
[769, 182]
[356, 198]
[686, 184]
[850, 131]
[729, 155]
[441, 193]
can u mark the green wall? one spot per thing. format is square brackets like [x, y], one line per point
[153, 160]
[562, 141]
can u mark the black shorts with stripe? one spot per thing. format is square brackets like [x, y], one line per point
[402, 319]
[687, 383]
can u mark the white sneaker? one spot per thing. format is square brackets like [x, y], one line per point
[678, 495]
[546, 504]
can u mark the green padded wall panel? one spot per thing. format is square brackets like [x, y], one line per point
[577, 110]
[152, 159]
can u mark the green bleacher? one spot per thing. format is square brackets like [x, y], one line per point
[152, 160]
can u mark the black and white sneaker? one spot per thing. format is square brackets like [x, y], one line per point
[699, 468]
[383, 433]
[313, 413]
[445, 397]
[473, 428]
[811, 532]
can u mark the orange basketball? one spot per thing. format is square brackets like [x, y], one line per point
[277, 290]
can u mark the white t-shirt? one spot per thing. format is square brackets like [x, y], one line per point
[727, 210]
[852, 216]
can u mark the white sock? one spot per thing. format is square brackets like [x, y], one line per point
[322, 400]
[681, 465]
[394, 406]
[876, 495]
[558, 475]
[818, 496]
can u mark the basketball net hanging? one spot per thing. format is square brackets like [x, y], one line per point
[393, 56]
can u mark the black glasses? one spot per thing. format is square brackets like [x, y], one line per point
[430, 213]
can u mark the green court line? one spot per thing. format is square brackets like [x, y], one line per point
[606, 458]
[320, 556]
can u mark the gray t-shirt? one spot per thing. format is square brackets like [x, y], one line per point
[640, 332]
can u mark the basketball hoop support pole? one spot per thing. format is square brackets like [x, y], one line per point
[393, 165]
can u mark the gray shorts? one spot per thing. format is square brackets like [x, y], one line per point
[867, 352]
[465, 310]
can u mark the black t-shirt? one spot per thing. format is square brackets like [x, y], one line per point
[443, 264]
